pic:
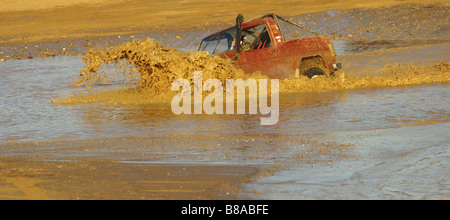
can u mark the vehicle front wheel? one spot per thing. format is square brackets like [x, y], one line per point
[314, 71]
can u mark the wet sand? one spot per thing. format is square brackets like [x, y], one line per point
[68, 28]
[120, 168]
[178, 167]
[100, 179]
[57, 19]
[68, 169]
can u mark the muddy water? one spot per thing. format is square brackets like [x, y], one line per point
[28, 87]
[396, 163]
[399, 148]
[379, 142]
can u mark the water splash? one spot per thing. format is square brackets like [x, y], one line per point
[146, 70]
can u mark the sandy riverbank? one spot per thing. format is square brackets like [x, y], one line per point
[55, 19]
[86, 179]
[53, 27]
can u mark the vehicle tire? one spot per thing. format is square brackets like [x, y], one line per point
[313, 66]
[314, 71]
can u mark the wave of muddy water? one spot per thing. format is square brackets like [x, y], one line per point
[388, 140]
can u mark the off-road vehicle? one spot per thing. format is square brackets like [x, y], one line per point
[263, 46]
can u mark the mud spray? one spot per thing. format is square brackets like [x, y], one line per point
[146, 69]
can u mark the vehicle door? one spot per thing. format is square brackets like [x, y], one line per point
[257, 51]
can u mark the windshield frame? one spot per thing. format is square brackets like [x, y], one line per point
[218, 37]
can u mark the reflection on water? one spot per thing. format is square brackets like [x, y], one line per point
[25, 102]
[367, 109]
[27, 112]
[395, 163]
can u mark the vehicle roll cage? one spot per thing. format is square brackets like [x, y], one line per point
[277, 19]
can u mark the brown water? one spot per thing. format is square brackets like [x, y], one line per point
[378, 129]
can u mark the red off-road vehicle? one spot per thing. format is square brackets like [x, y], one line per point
[263, 46]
